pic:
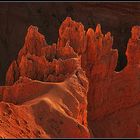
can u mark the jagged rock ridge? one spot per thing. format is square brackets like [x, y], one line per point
[40, 61]
[110, 91]
[50, 85]
[113, 97]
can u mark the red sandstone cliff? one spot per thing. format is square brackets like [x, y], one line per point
[109, 91]
[57, 82]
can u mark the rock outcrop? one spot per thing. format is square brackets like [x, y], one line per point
[52, 77]
[55, 107]
[74, 33]
[43, 62]
[17, 122]
[48, 83]
[16, 18]
[109, 91]
[112, 93]
[120, 96]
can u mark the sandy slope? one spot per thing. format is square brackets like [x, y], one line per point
[54, 109]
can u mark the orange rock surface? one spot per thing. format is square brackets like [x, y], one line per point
[109, 91]
[40, 61]
[112, 94]
[74, 33]
[17, 122]
[49, 82]
[55, 107]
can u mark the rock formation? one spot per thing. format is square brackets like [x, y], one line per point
[40, 61]
[17, 122]
[48, 83]
[16, 18]
[109, 91]
[54, 108]
[74, 33]
[116, 94]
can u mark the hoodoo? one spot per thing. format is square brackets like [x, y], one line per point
[71, 88]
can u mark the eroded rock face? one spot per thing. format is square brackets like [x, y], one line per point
[99, 61]
[48, 81]
[74, 33]
[112, 94]
[40, 61]
[17, 122]
[55, 107]
[15, 20]
[133, 50]
[34, 41]
[109, 91]
[113, 97]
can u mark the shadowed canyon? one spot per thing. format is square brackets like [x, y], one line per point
[71, 79]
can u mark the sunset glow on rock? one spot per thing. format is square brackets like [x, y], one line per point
[70, 89]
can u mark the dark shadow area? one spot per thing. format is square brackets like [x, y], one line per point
[122, 62]
[120, 43]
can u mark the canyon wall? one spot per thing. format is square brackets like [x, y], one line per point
[53, 77]
[109, 91]
[113, 95]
